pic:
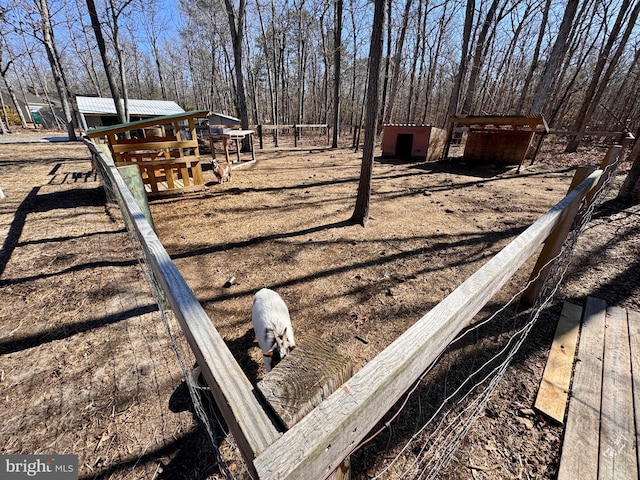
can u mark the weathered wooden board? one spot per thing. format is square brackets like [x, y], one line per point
[554, 388]
[304, 378]
[580, 448]
[634, 344]
[497, 147]
[132, 177]
[617, 429]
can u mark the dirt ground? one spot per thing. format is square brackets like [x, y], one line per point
[67, 273]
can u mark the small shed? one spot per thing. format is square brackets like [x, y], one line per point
[219, 123]
[98, 112]
[164, 148]
[412, 142]
[500, 140]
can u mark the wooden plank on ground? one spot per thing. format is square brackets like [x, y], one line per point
[581, 439]
[617, 430]
[554, 388]
[634, 343]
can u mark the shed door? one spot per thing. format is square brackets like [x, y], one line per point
[404, 145]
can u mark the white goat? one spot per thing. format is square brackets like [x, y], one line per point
[272, 325]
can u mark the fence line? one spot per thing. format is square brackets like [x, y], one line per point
[234, 395]
[315, 447]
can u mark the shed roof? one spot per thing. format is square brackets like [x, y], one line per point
[106, 106]
[147, 122]
[224, 117]
[515, 122]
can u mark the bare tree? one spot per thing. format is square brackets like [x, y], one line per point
[56, 67]
[363, 199]
[462, 67]
[555, 58]
[478, 56]
[387, 59]
[116, 11]
[598, 80]
[97, 30]
[337, 54]
[236, 27]
[397, 60]
[153, 28]
[536, 57]
[4, 69]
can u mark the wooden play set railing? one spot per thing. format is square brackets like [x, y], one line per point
[167, 163]
[316, 446]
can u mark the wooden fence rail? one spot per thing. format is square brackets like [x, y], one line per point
[252, 428]
[315, 447]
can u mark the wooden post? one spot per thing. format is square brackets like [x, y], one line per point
[194, 137]
[260, 136]
[555, 241]
[295, 135]
[237, 150]
[609, 166]
[301, 382]
[253, 152]
[133, 178]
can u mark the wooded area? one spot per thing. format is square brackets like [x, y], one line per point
[575, 61]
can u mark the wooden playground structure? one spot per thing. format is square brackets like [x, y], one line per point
[166, 152]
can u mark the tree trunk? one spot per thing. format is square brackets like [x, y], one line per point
[363, 199]
[557, 52]
[3, 129]
[115, 17]
[457, 82]
[56, 69]
[354, 61]
[89, 65]
[3, 73]
[417, 59]
[301, 50]
[478, 57]
[599, 83]
[236, 26]
[337, 54]
[97, 30]
[5, 115]
[397, 59]
[630, 191]
[443, 23]
[536, 57]
[387, 61]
